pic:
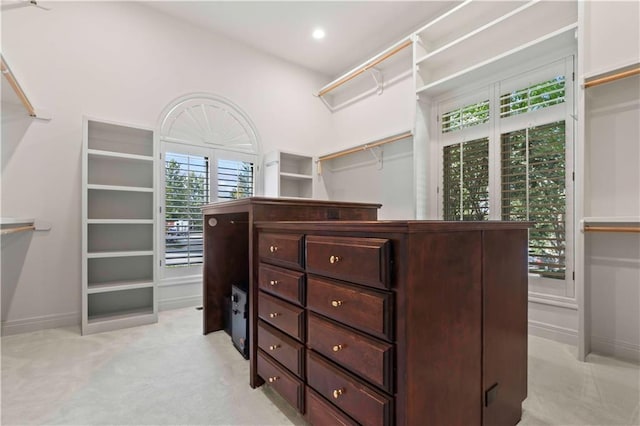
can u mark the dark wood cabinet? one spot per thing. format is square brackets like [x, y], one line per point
[405, 322]
[231, 247]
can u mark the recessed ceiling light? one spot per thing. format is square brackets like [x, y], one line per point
[318, 34]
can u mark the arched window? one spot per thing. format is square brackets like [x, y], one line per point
[209, 152]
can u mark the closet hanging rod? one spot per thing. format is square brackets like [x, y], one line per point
[365, 146]
[17, 229]
[612, 77]
[6, 71]
[366, 66]
[588, 228]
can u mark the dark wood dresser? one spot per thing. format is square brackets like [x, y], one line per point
[230, 243]
[394, 322]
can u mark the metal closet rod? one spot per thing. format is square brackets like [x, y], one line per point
[588, 228]
[6, 71]
[613, 77]
[365, 67]
[365, 146]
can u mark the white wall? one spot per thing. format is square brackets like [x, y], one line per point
[123, 62]
[360, 177]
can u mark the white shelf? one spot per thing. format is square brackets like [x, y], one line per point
[118, 286]
[295, 176]
[611, 219]
[119, 188]
[16, 221]
[120, 221]
[119, 155]
[132, 253]
[131, 313]
[562, 38]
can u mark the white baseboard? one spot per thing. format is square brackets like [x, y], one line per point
[179, 302]
[615, 348]
[553, 332]
[40, 323]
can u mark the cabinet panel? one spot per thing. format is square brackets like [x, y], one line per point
[320, 412]
[283, 249]
[285, 316]
[363, 403]
[284, 383]
[360, 260]
[281, 282]
[370, 358]
[282, 348]
[364, 309]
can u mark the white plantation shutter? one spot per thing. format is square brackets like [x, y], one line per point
[466, 180]
[534, 188]
[235, 179]
[186, 191]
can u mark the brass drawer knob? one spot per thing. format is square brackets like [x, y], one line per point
[338, 392]
[274, 314]
[334, 259]
[273, 282]
[336, 303]
[273, 249]
[337, 348]
[273, 379]
[273, 347]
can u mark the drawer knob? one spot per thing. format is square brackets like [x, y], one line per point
[273, 282]
[274, 314]
[273, 249]
[338, 392]
[273, 379]
[337, 348]
[334, 259]
[336, 303]
[273, 347]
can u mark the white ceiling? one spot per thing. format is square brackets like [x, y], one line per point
[356, 30]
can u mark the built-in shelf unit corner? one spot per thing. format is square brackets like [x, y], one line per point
[118, 238]
[288, 175]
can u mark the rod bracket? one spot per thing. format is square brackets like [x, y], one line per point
[378, 78]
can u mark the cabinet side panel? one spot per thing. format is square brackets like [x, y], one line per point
[226, 263]
[443, 329]
[505, 325]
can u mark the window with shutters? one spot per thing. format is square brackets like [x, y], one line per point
[209, 150]
[509, 158]
[194, 177]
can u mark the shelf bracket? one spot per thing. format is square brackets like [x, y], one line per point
[378, 157]
[378, 79]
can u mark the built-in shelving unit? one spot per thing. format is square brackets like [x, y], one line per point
[118, 227]
[446, 59]
[288, 175]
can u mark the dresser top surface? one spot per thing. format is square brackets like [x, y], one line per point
[252, 201]
[402, 226]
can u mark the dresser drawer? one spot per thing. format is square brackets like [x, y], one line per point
[287, 385]
[365, 309]
[285, 316]
[283, 249]
[364, 261]
[320, 412]
[365, 356]
[360, 401]
[282, 348]
[284, 283]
